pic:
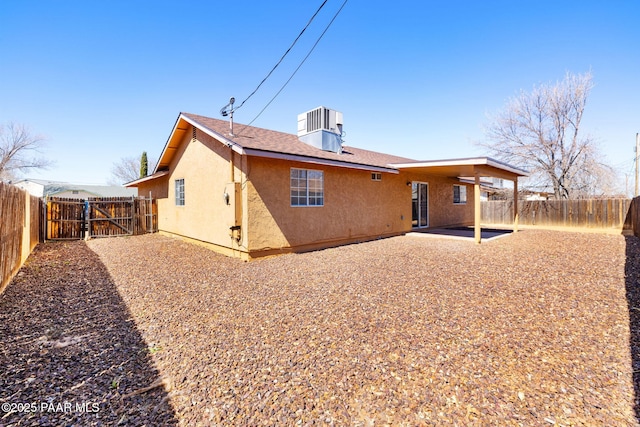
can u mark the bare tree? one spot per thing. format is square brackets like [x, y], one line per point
[540, 131]
[20, 151]
[126, 169]
[129, 169]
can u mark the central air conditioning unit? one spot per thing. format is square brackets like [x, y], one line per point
[321, 128]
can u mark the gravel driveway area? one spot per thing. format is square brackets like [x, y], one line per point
[528, 330]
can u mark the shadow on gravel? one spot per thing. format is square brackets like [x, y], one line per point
[632, 284]
[70, 353]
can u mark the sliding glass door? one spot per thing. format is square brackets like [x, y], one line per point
[420, 204]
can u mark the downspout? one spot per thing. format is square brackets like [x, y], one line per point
[235, 228]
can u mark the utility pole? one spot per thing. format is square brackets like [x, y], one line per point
[637, 169]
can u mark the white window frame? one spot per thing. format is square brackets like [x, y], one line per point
[376, 176]
[462, 194]
[306, 187]
[179, 192]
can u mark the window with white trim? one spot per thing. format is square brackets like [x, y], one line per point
[180, 192]
[459, 194]
[376, 176]
[307, 187]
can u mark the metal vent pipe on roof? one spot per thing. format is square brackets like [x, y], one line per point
[227, 110]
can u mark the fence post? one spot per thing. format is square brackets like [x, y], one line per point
[26, 228]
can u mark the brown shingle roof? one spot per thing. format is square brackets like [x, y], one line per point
[254, 138]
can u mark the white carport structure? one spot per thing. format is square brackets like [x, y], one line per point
[476, 168]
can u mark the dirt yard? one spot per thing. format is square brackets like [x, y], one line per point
[533, 329]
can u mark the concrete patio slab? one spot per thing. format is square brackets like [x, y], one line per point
[461, 233]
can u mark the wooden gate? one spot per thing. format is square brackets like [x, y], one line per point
[65, 219]
[110, 216]
[69, 219]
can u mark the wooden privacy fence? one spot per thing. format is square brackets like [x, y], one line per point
[69, 219]
[20, 216]
[587, 213]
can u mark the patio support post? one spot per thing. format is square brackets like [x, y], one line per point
[477, 232]
[515, 205]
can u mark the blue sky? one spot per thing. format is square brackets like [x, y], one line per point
[105, 80]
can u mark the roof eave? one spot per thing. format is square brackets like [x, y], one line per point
[151, 177]
[505, 166]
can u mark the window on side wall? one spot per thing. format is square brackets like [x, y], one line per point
[180, 192]
[459, 194]
[307, 187]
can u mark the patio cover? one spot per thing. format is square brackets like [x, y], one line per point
[476, 168]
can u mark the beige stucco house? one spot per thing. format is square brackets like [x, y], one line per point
[251, 192]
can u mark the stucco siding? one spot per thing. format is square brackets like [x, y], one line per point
[442, 211]
[204, 165]
[355, 207]
[254, 193]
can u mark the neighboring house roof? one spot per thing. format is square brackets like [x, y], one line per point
[97, 190]
[51, 188]
[485, 184]
[260, 142]
[42, 182]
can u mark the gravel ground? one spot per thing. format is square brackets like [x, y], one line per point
[70, 353]
[528, 330]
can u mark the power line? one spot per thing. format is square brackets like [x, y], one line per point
[285, 54]
[625, 164]
[299, 66]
